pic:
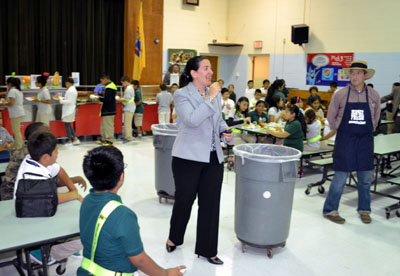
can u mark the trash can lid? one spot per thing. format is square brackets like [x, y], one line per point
[165, 129]
[267, 153]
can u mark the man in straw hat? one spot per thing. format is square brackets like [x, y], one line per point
[354, 113]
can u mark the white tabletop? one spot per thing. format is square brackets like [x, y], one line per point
[17, 233]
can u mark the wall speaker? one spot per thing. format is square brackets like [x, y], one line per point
[300, 34]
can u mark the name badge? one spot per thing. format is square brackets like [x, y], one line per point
[357, 117]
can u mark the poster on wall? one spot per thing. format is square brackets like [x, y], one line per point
[322, 69]
[180, 56]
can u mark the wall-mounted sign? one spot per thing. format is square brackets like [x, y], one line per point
[322, 69]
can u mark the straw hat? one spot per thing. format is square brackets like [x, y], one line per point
[360, 64]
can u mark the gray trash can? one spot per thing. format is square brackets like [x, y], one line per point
[163, 140]
[265, 179]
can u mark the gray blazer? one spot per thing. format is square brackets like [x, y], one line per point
[197, 118]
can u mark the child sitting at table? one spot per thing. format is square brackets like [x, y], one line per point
[41, 160]
[275, 111]
[297, 101]
[258, 116]
[240, 115]
[316, 106]
[313, 93]
[116, 248]
[257, 97]
[313, 134]
[295, 128]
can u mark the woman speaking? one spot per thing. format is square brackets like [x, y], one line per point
[197, 158]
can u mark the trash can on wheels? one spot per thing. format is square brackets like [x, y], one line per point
[265, 179]
[163, 139]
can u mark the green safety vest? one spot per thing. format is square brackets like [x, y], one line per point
[234, 130]
[90, 265]
[318, 137]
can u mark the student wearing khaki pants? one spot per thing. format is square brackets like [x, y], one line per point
[108, 110]
[129, 108]
[16, 111]
[44, 101]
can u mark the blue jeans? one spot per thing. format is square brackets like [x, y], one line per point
[364, 178]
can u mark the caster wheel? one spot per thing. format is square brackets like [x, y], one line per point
[307, 191]
[283, 245]
[60, 270]
[269, 253]
[243, 248]
[159, 199]
[321, 189]
[398, 214]
[387, 215]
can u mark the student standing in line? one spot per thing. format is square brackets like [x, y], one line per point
[354, 112]
[138, 117]
[44, 101]
[164, 100]
[128, 102]
[198, 170]
[108, 110]
[14, 102]
[295, 128]
[69, 111]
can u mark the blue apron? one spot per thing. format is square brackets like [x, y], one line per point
[354, 144]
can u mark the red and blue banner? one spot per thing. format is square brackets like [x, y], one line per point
[322, 69]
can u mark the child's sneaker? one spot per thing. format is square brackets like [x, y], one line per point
[76, 142]
[68, 144]
[77, 255]
[36, 256]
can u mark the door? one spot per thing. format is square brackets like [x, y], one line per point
[214, 66]
[259, 69]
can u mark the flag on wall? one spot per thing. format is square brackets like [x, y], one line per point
[139, 58]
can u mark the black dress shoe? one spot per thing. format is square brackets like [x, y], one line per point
[170, 248]
[215, 260]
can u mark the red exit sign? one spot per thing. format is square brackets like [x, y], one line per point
[258, 44]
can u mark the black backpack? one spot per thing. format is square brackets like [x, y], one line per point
[36, 197]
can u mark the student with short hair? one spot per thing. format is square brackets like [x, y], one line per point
[117, 247]
[128, 101]
[16, 158]
[232, 94]
[41, 160]
[249, 93]
[297, 101]
[333, 87]
[313, 93]
[138, 117]
[295, 128]
[44, 101]
[108, 110]
[226, 102]
[69, 111]
[264, 88]
[257, 97]
[14, 102]
[164, 100]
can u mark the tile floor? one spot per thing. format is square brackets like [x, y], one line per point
[315, 246]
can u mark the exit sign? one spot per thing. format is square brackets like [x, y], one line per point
[258, 44]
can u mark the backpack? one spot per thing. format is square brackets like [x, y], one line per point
[36, 197]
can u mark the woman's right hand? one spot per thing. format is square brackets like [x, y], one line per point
[175, 271]
[215, 88]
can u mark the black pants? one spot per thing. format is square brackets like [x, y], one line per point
[205, 180]
[70, 131]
